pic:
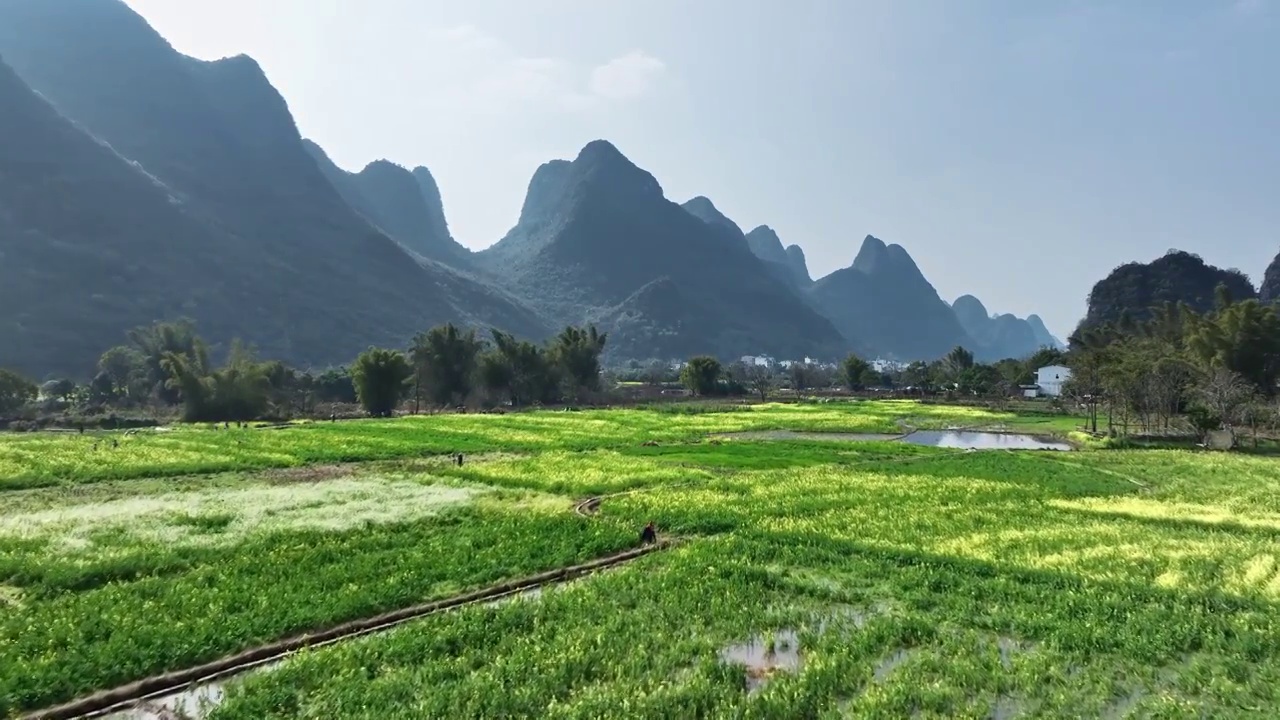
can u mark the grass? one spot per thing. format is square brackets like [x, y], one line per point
[916, 580]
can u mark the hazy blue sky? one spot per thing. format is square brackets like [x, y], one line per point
[1019, 150]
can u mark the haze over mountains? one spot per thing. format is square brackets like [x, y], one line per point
[139, 184]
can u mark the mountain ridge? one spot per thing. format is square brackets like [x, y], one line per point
[321, 282]
[599, 235]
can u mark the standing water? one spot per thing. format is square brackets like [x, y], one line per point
[974, 440]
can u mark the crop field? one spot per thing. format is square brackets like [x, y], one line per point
[62, 458]
[810, 578]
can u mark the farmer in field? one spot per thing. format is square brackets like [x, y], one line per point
[649, 535]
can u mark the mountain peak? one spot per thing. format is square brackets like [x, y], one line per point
[546, 186]
[1270, 290]
[799, 266]
[766, 245]
[1044, 338]
[970, 305]
[702, 208]
[601, 151]
[872, 256]
[601, 168]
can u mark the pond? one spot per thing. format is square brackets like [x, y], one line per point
[976, 440]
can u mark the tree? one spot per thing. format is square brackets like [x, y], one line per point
[956, 362]
[1244, 338]
[60, 389]
[335, 386]
[916, 375]
[518, 369]
[760, 380]
[1225, 394]
[380, 377]
[855, 371]
[240, 390]
[158, 341]
[124, 367]
[979, 380]
[1044, 357]
[657, 373]
[15, 392]
[576, 353]
[701, 375]
[445, 360]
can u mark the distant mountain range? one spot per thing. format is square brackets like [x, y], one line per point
[139, 184]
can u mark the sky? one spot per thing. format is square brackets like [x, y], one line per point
[1018, 150]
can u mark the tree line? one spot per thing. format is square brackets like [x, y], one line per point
[168, 364]
[1209, 371]
[956, 374]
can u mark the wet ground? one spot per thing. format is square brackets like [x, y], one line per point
[193, 703]
[957, 439]
[764, 656]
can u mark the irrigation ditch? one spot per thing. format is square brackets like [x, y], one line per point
[133, 695]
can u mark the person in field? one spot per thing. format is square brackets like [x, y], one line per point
[649, 535]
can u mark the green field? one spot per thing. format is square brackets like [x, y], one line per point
[813, 579]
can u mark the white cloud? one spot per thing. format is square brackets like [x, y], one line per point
[627, 77]
[491, 76]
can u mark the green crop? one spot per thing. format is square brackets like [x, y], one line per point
[860, 579]
[43, 459]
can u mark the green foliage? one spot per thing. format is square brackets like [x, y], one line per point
[576, 352]
[956, 362]
[60, 389]
[855, 372]
[162, 343]
[380, 378]
[1154, 370]
[445, 361]
[701, 375]
[15, 392]
[125, 371]
[979, 380]
[238, 391]
[335, 386]
[1243, 338]
[519, 370]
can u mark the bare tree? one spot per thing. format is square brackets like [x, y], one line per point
[1227, 395]
[760, 380]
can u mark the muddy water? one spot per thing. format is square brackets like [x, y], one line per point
[763, 659]
[194, 703]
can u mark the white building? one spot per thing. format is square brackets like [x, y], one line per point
[1051, 379]
[758, 360]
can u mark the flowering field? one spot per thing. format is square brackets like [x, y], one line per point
[815, 579]
[43, 459]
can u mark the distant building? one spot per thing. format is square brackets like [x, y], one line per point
[760, 360]
[1051, 378]
[882, 365]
